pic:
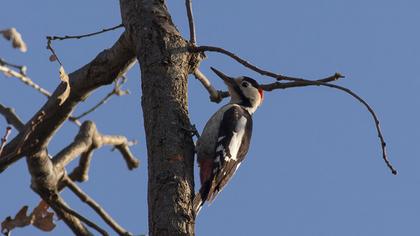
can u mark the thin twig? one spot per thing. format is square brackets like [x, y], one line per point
[85, 220]
[270, 87]
[108, 64]
[95, 206]
[215, 95]
[103, 101]
[11, 117]
[4, 138]
[279, 85]
[188, 4]
[25, 79]
[54, 55]
[52, 38]
[28, 81]
[115, 91]
[21, 68]
[84, 35]
[244, 62]
[309, 82]
[218, 95]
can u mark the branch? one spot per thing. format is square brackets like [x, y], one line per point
[279, 85]
[11, 117]
[95, 206]
[188, 4]
[22, 68]
[84, 35]
[215, 95]
[299, 81]
[218, 95]
[244, 62]
[116, 91]
[88, 139]
[22, 77]
[323, 82]
[81, 172]
[44, 181]
[49, 176]
[54, 56]
[102, 70]
[61, 204]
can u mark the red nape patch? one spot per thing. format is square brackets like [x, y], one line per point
[206, 168]
[261, 94]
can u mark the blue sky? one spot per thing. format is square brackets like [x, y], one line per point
[314, 167]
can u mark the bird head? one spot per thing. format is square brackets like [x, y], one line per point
[243, 90]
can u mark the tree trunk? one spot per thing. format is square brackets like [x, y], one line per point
[165, 65]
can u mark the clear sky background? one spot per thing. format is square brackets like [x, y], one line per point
[314, 167]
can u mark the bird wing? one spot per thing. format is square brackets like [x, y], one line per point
[231, 148]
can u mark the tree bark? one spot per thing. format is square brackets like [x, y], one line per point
[165, 64]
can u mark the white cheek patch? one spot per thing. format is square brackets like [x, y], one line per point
[254, 97]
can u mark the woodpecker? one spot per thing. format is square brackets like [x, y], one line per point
[226, 137]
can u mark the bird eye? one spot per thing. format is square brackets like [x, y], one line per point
[244, 84]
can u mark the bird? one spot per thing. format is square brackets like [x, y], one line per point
[226, 137]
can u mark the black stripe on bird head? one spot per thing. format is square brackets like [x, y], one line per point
[233, 83]
[252, 81]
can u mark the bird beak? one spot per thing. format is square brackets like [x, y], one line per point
[229, 81]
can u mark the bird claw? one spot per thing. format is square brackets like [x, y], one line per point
[192, 130]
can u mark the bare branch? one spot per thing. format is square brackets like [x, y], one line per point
[84, 35]
[81, 172]
[300, 82]
[188, 4]
[103, 70]
[88, 139]
[270, 87]
[11, 117]
[95, 206]
[4, 139]
[244, 62]
[54, 56]
[279, 85]
[215, 95]
[44, 181]
[116, 91]
[25, 79]
[61, 204]
[21, 68]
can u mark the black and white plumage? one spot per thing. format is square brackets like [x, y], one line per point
[226, 137]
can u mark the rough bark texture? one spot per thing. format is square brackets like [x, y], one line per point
[165, 65]
[165, 62]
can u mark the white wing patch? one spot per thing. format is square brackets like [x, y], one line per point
[236, 140]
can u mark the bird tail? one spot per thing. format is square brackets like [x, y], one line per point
[198, 203]
[201, 197]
